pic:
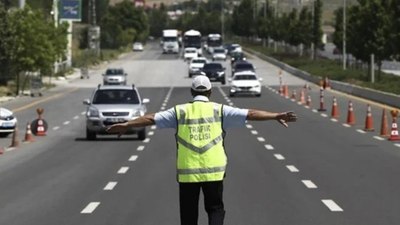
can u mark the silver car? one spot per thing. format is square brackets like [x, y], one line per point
[114, 104]
[114, 76]
[7, 122]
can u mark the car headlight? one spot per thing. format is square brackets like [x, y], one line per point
[93, 112]
[221, 73]
[138, 113]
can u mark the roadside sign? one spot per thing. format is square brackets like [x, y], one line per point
[70, 10]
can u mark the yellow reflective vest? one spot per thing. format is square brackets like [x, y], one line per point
[201, 155]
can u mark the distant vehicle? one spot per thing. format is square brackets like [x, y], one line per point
[113, 104]
[234, 48]
[114, 76]
[214, 71]
[245, 82]
[237, 56]
[242, 66]
[137, 46]
[213, 41]
[219, 54]
[190, 53]
[192, 39]
[170, 41]
[195, 65]
[7, 122]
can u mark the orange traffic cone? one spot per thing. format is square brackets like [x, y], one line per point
[308, 102]
[394, 134]
[28, 134]
[369, 124]
[321, 100]
[384, 124]
[14, 141]
[302, 97]
[286, 91]
[335, 109]
[351, 120]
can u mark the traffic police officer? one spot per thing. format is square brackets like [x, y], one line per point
[201, 158]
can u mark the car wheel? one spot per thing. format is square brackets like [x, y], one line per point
[90, 135]
[223, 81]
[190, 75]
[142, 134]
[258, 95]
[231, 95]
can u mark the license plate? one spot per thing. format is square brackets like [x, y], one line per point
[115, 120]
[7, 124]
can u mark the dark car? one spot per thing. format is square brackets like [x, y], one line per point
[214, 71]
[237, 56]
[239, 66]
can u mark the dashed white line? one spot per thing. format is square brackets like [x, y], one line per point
[249, 126]
[269, 147]
[76, 117]
[230, 103]
[379, 138]
[324, 115]
[90, 208]
[334, 120]
[150, 133]
[260, 139]
[162, 108]
[361, 131]
[254, 132]
[309, 184]
[133, 158]
[346, 125]
[123, 170]
[56, 128]
[279, 157]
[147, 140]
[292, 169]
[332, 205]
[140, 148]
[66, 122]
[315, 111]
[153, 127]
[83, 113]
[110, 186]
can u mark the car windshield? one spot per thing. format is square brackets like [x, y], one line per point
[116, 97]
[199, 61]
[245, 77]
[114, 72]
[219, 50]
[190, 51]
[244, 66]
[213, 66]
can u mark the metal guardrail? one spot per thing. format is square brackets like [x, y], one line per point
[367, 93]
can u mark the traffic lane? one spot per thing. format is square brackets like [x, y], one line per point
[65, 168]
[347, 162]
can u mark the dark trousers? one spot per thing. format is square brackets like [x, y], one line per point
[189, 194]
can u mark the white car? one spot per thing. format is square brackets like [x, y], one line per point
[196, 64]
[137, 46]
[190, 53]
[7, 122]
[219, 54]
[245, 82]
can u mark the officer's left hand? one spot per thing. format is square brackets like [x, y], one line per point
[285, 117]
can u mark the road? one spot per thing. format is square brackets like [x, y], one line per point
[317, 171]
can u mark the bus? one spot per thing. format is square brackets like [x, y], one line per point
[213, 41]
[192, 38]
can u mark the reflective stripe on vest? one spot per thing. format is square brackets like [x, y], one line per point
[201, 155]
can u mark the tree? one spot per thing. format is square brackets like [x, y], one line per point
[316, 25]
[242, 19]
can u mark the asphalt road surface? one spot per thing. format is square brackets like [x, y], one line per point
[318, 171]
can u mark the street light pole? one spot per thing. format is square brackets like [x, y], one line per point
[222, 19]
[312, 30]
[344, 35]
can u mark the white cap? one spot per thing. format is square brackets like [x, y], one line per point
[201, 83]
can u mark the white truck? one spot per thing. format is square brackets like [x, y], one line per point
[170, 42]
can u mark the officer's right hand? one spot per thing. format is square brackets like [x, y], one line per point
[119, 128]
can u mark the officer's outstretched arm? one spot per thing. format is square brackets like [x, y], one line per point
[283, 117]
[121, 128]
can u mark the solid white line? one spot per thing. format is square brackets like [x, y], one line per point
[133, 158]
[76, 117]
[110, 186]
[90, 208]
[346, 125]
[269, 147]
[254, 132]
[56, 128]
[147, 140]
[140, 148]
[309, 184]
[249, 126]
[279, 157]
[123, 170]
[153, 127]
[361, 131]
[260, 139]
[379, 138]
[332, 205]
[150, 133]
[66, 122]
[292, 169]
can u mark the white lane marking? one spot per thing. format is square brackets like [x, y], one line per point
[306, 106]
[153, 127]
[83, 113]
[269, 147]
[110, 186]
[90, 208]
[332, 205]
[162, 108]
[76, 117]
[260, 139]
[292, 169]
[150, 133]
[56, 128]
[324, 115]
[230, 103]
[123, 170]
[334, 120]
[147, 140]
[346, 125]
[249, 126]
[254, 132]
[361, 131]
[133, 158]
[66, 122]
[140, 148]
[164, 104]
[309, 184]
[279, 157]
[397, 145]
[314, 111]
[379, 138]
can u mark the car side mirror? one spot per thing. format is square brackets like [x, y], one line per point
[86, 102]
[145, 100]
[260, 79]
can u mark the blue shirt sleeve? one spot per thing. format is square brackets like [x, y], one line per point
[166, 119]
[234, 117]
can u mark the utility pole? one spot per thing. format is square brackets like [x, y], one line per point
[312, 29]
[94, 30]
[21, 4]
[344, 36]
[222, 20]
